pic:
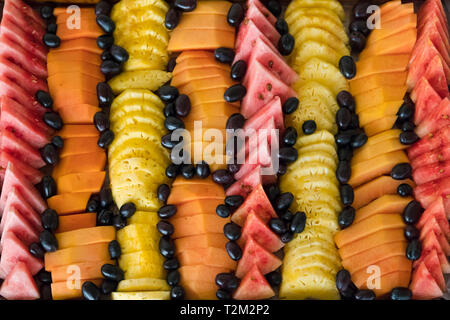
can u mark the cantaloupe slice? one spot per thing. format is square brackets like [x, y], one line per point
[391, 281]
[78, 114]
[68, 203]
[81, 67]
[200, 273]
[86, 236]
[400, 43]
[87, 162]
[387, 204]
[198, 224]
[379, 96]
[207, 110]
[213, 257]
[380, 125]
[62, 15]
[67, 98]
[198, 63]
[207, 83]
[377, 113]
[87, 44]
[199, 290]
[92, 252]
[204, 22]
[383, 136]
[374, 255]
[60, 290]
[402, 10]
[370, 241]
[199, 39]
[375, 167]
[207, 240]
[187, 55]
[211, 7]
[392, 27]
[87, 270]
[62, 81]
[381, 64]
[364, 228]
[197, 74]
[377, 188]
[78, 131]
[360, 85]
[74, 55]
[81, 182]
[76, 221]
[214, 95]
[183, 194]
[88, 29]
[369, 152]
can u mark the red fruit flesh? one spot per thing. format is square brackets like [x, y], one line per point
[21, 150]
[433, 226]
[254, 286]
[19, 284]
[18, 225]
[429, 244]
[246, 184]
[435, 120]
[430, 143]
[32, 26]
[431, 172]
[27, 12]
[434, 267]
[272, 109]
[255, 15]
[28, 81]
[427, 100]
[423, 285]
[434, 156]
[269, 16]
[435, 75]
[431, 31]
[435, 211]
[32, 174]
[428, 192]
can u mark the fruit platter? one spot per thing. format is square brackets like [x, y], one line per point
[230, 150]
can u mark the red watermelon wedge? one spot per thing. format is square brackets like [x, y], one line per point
[437, 118]
[245, 185]
[21, 150]
[428, 192]
[19, 284]
[17, 74]
[435, 211]
[431, 142]
[269, 16]
[17, 224]
[423, 285]
[32, 174]
[254, 286]
[258, 18]
[427, 100]
[441, 154]
[435, 75]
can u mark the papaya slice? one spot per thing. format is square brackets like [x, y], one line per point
[198, 63]
[206, 206]
[88, 253]
[399, 43]
[88, 29]
[360, 230]
[74, 55]
[205, 22]
[199, 290]
[379, 112]
[207, 110]
[78, 131]
[77, 146]
[381, 64]
[87, 162]
[88, 270]
[373, 240]
[199, 281]
[81, 182]
[197, 74]
[369, 152]
[360, 85]
[389, 282]
[377, 188]
[62, 15]
[211, 7]
[187, 55]
[86, 236]
[76, 221]
[402, 10]
[393, 27]
[383, 136]
[218, 123]
[387, 204]
[213, 257]
[197, 224]
[380, 165]
[199, 39]
[209, 96]
[70, 97]
[208, 83]
[378, 96]
[87, 44]
[73, 67]
[68, 203]
[374, 255]
[185, 193]
[61, 291]
[380, 125]
[79, 81]
[207, 240]
[78, 114]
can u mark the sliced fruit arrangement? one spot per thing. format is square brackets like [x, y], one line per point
[24, 132]
[427, 80]
[321, 49]
[140, 31]
[79, 243]
[377, 186]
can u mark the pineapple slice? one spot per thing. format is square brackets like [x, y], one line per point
[139, 49]
[134, 16]
[135, 178]
[144, 295]
[137, 148]
[310, 257]
[319, 22]
[133, 118]
[138, 237]
[119, 111]
[315, 138]
[137, 95]
[140, 79]
[322, 146]
[319, 157]
[143, 284]
[135, 32]
[318, 236]
[312, 169]
[312, 88]
[332, 5]
[143, 196]
[310, 49]
[151, 62]
[323, 72]
[146, 165]
[123, 6]
[300, 12]
[144, 217]
[142, 264]
[311, 183]
[306, 199]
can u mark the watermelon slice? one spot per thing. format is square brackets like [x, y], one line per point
[27, 12]
[262, 87]
[256, 229]
[432, 11]
[12, 119]
[255, 254]
[248, 33]
[18, 225]
[28, 81]
[244, 186]
[255, 135]
[427, 100]
[258, 202]
[430, 143]
[21, 150]
[254, 14]
[272, 60]
[433, 226]
[14, 52]
[16, 201]
[272, 109]
[434, 267]
[431, 31]
[435, 75]
[19, 284]
[15, 251]
[435, 211]
[428, 192]
[441, 154]
[15, 179]
[423, 285]
[435, 120]
[431, 172]
[253, 286]
[267, 14]
[429, 244]
[32, 174]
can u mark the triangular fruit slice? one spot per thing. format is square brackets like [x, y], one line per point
[273, 110]
[254, 14]
[13, 252]
[431, 172]
[430, 143]
[431, 30]
[423, 285]
[19, 284]
[437, 211]
[434, 267]
[429, 244]
[254, 286]
[258, 202]
[256, 229]
[426, 100]
[15, 179]
[32, 174]
[436, 77]
[18, 225]
[263, 53]
[255, 254]
[436, 119]
[269, 16]
[21, 150]
[246, 184]
[262, 86]
[28, 81]
[441, 154]
[433, 226]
